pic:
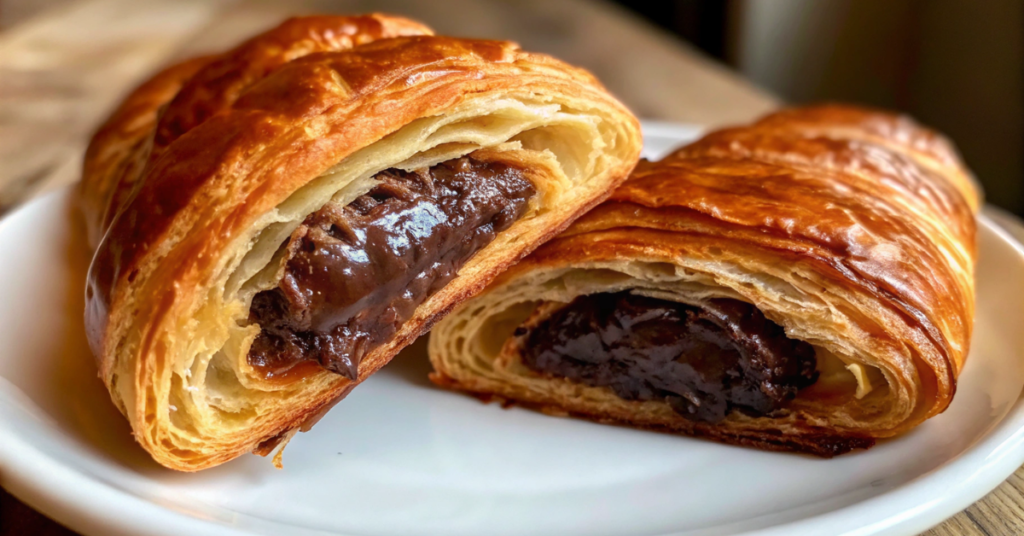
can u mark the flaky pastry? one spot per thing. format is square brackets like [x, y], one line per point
[273, 224]
[804, 283]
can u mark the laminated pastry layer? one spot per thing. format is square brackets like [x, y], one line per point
[850, 230]
[209, 335]
[354, 273]
[737, 357]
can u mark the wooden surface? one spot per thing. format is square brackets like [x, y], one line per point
[65, 63]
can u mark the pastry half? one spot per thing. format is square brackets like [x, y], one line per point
[275, 223]
[804, 284]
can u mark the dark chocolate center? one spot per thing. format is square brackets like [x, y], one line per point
[356, 273]
[704, 361]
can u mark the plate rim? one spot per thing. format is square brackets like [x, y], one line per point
[78, 500]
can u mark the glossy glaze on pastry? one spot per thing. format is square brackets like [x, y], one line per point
[221, 178]
[851, 229]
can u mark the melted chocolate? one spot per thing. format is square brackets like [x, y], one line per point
[704, 361]
[355, 273]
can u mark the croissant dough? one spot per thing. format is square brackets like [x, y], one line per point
[853, 229]
[194, 184]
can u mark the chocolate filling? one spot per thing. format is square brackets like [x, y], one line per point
[356, 272]
[704, 361]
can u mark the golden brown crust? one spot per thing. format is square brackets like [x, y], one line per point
[120, 147]
[852, 228]
[196, 89]
[219, 83]
[260, 137]
[898, 132]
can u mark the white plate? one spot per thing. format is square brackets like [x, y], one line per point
[402, 457]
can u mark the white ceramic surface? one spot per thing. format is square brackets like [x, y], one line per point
[400, 457]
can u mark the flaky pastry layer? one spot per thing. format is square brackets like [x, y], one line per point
[194, 184]
[851, 228]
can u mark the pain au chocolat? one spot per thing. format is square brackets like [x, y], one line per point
[803, 284]
[273, 224]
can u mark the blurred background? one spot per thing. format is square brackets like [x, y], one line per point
[956, 65]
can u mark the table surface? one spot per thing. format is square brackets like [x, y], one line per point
[65, 63]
